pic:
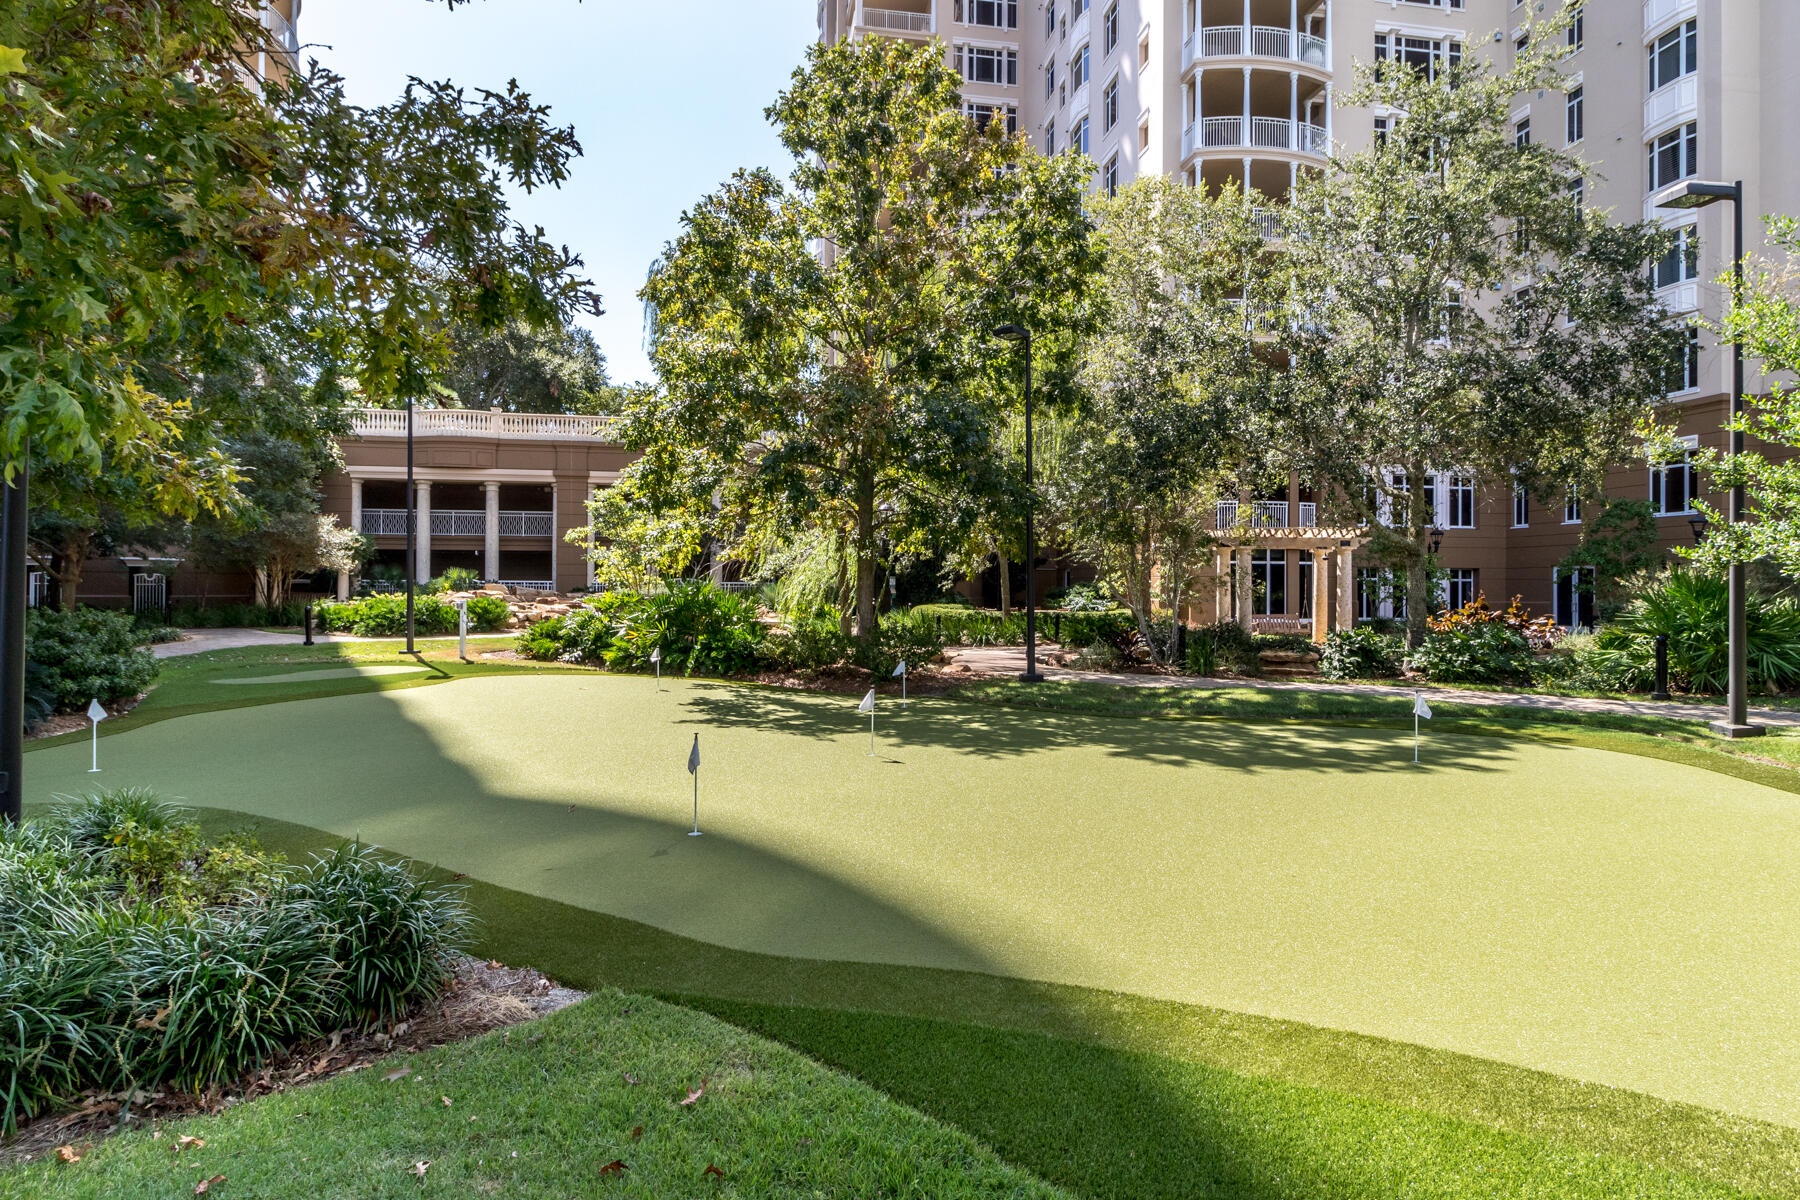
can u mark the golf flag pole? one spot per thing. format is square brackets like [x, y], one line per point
[462, 630]
[694, 770]
[96, 713]
[656, 661]
[868, 706]
[901, 672]
[1420, 709]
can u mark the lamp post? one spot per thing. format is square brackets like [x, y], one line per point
[412, 517]
[14, 568]
[1696, 193]
[1022, 335]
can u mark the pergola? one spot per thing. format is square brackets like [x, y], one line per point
[1328, 545]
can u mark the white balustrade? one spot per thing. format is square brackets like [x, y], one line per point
[896, 21]
[515, 523]
[482, 422]
[460, 522]
[1264, 514]
[379, 522]
[1309, 514]
[1266, 41]
[526, 585]
[1258, 133]
[281, 30]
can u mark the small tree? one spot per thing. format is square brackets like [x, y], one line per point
[1457, 310]
[1617, 542]
[825, 345]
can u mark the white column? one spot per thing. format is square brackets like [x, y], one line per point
[1329, 65]
[1246, 589]
[589, 554]
[555, 528]
[422, 532]
[1330, 103]
[1293, 28]
[356, 504]
[1294, 103]
[490, 531]
[1246, 48]
[1346, 581]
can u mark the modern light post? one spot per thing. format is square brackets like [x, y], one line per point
[13, 599]
[1695, 193]
[412, 518]
[1022, 335]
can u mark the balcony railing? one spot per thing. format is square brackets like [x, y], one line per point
[1266, 41]
[460, 522]
[483, 422]
[1269, 514]
[891, 20]
[1257, 133]
[281, 31]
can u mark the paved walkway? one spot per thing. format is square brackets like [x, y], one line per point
[1010, 660]
[203, 641]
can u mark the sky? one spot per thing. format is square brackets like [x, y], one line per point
[666, 97]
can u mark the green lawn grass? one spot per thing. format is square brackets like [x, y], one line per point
[538, 1110]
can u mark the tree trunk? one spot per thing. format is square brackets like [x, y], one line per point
[843, 586]
[65, 564]
[1419, 520]
[866, 620]
[1005, 582]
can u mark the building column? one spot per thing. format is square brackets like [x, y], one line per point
[422, 533]
[1246, 592]
[490, 531]
[356, 504]
[555, 528]
[588, 552]
[1247, 119]
[1346, 582]
[1321, 597]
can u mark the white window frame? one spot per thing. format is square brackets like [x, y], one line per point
[1460, 587]
[1459, 491]
[1685, 38]
[1685, 255]
[1684, 139]
[1521, 507]
[1005, 13]
[1572, 508]
[1109, 175]
[1109, 105]
[1659, 480]
[1080, 67]
[1109, 29]
[1575, 114]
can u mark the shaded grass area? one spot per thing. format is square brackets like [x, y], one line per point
[192, 683]
[1762, 760]
[1117, 1095]
[539, 1109]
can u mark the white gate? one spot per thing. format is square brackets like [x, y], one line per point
[149, 592]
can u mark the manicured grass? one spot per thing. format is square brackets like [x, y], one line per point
[538, 1110]
[1551, 906]
[1085, 1086]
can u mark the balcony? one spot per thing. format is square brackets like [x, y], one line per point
[1265, 41]
[1672, 104]
[895, 21]
[281, 33]
[483, 422]
[1255, 133]
[1679, 297]
[1268, 514]
[459, 522]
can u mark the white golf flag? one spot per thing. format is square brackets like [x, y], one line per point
[899, 670]
[1420, 708]
[868, 703]
[656, 655]
[97, 711]
[694, 757]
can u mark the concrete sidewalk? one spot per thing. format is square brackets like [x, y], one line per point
[203, 641]
[1010, 661]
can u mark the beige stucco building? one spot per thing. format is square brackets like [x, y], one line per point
[1209, 90]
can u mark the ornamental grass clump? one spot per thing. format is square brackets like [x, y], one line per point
[136, 953]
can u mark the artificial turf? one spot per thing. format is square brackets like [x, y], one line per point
[539, 1110]
[1553, 907]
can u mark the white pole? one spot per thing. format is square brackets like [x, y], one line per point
[1415, 727]
[871, 753]
[903, 674]
[696, 831]
[95, 769]
[462, 630]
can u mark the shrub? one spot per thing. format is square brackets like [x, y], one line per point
[389, 935]
[698, 628]
[1101, 656]
[1693, 610]
[236, 616]
[1483, 652]
[1362, 652]
[384, 615]
[85, 654]
[1578, 664]
[960, 625]
[902, 636]
[456, 579]
[1086, 598]
[1290, 643]
[806, 644]
[1231, 646]
[1202, 654]
[1540, 633]
[488, 613]
[1114, 626]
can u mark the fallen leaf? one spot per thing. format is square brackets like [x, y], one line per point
[419, 1169]
[494, 964]
[694, 1095]
[630, 1078]
[200, 1189]
[571, 808]
[712, 1170]
[155, 1133]
[68, 1154]
[637, 1132]
[615, 1167]
[446, 1101]
[184, 1142]
[396, 1073]
[460, 875]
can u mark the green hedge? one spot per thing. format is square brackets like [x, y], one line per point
[988, 627]
[384, 615]
[86, 654]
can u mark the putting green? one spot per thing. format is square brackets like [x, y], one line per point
[1603, 916]
[327, 673]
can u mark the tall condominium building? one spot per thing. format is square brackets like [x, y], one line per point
[1212, 90]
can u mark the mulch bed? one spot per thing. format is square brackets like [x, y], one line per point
[58, 723]
[481, 997]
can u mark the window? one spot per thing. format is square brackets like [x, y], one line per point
[1459, 503]
[1522, 133]
[1578, 29]
[1109, 176]
[1437, 3]
[1682, 262]
[1304, 596]
[1109, 28]
[1675, 155]
[1050, 138]
[1521, 44]
[1459, 587]
[995, 14]
[1144, 51]
[1572, 508]
[1381, 131]
[1078, 67]
[1077, 7]
[1268, 582]
[982, 64]
[1078, 137]
[1674, 54]
[1049, 81]
[1521, 507]
[1109, 105]
[1575, 597]
[1672, 487]
[1578, 193]
[1575, 118]
[1684, 372]
[981, 113]
[1143, 136]
[1050, 18]
[1429, 56]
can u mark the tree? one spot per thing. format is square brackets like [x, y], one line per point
[522, 368]
[847, 390]
[1765, 318]
[1414, 347]
[1618, 542]
[1177, 375]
